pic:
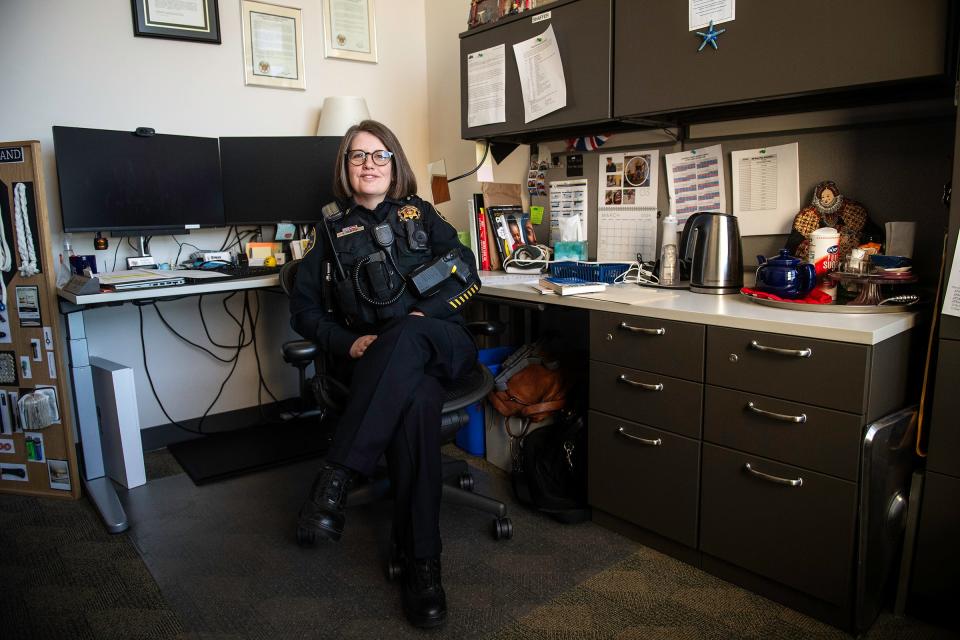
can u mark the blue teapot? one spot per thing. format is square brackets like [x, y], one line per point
[785, 276]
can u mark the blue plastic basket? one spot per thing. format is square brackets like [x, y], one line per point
[607, 272]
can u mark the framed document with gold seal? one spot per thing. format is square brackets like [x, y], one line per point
[350, 30]
[272, 45]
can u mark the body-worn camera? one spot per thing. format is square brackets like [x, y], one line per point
[427, 277]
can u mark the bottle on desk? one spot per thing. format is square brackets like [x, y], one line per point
[669, 260]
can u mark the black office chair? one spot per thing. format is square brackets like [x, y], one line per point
[329, 394]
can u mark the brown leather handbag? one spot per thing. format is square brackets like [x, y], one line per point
[535, 393]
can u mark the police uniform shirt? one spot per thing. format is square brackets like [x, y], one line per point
[353, 237]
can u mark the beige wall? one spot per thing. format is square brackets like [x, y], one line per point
[77, 63]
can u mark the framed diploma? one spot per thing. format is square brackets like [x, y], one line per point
[350, 30]
[197, 20]
[272, 45]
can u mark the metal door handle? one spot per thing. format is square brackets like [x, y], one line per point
[649, 443]
[643, 385]
[776, 416]
[797, 353]
[766, 476]
[650, 332]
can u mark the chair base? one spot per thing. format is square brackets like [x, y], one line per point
[378, 488]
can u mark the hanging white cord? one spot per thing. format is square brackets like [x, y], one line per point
[6, 262]
[28, 257]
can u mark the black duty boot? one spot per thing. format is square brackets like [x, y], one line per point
[321, 516]
[424, 602]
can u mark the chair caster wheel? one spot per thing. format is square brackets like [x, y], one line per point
[306, 537]
[394, 569]
[466, 481]
[502, 529]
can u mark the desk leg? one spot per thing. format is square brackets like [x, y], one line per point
[98, 485]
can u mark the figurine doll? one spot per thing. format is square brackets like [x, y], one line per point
[829, 208]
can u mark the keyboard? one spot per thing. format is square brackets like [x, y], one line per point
[247, 271]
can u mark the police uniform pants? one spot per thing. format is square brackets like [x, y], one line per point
[396, 397]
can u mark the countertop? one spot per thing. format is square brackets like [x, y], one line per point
[732, 310]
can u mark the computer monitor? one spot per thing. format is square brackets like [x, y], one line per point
[137, 183]
[277, 179]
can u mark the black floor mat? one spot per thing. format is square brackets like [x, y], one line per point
[233, 453]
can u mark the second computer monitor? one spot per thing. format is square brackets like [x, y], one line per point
[267, 180]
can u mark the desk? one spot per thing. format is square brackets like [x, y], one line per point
[767, 446]
[99, 487]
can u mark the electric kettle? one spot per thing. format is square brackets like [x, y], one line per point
[711, 253]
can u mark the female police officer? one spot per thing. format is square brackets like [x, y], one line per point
[355, 294]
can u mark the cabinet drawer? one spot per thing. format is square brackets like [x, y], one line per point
[820, 439]
[645, 476]
[818, 372]
[801, 536]
[665, 346]
[651, 398]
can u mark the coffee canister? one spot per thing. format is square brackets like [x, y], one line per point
[824, 255]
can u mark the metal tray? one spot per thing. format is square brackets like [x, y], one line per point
[834, 308]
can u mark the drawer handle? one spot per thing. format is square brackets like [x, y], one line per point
[649, 443]
[797, 353]
[766, 476]
[643, 385]
[650, 332]
[776, 416]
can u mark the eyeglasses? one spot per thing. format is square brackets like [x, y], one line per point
[358, 157]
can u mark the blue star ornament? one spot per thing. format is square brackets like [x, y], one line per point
[709, 36]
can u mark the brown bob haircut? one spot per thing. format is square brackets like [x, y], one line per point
[402, 181]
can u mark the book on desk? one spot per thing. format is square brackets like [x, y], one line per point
[570, 286]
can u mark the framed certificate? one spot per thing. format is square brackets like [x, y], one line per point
[197, 20]
[272, 45]
[350, 30]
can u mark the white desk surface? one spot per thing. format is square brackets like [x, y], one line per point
[732, 310]
[210, 286]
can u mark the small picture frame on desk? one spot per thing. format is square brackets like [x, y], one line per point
[272, 45]
[350, 30]
[192, 20]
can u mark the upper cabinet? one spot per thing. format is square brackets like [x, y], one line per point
[777, 51]
[583, 33]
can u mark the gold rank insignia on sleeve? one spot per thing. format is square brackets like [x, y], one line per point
[460, 300]
[311, 241]
[409, 212]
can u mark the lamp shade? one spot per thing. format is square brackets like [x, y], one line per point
[340, 113]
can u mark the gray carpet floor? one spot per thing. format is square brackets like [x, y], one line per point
[219, 562]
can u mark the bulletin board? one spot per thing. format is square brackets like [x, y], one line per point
[37, 453]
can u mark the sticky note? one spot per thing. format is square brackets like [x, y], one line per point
[536, 215]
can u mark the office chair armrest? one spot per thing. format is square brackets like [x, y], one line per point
[486, 327]
[300, 351]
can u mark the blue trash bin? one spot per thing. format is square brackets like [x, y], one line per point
[471, 437]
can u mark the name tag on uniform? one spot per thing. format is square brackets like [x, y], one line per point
[348, 230]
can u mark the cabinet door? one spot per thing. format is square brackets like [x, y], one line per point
[945, 426]
[651, 398]
[804, 435]
[818, 372]
[801, 536]
[665, 346]
[582, 29]
[645, 476]
[771, 50]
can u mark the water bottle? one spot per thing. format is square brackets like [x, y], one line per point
[669, 260]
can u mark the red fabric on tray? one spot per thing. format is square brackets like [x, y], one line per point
[814, 297]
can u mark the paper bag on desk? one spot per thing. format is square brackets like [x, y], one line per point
[497, 194]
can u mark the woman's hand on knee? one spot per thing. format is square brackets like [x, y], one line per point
[360, 345]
